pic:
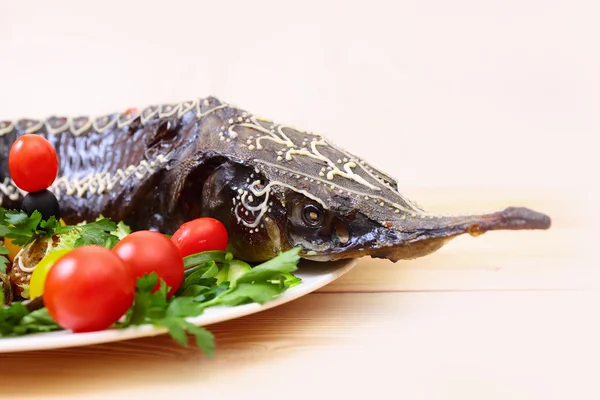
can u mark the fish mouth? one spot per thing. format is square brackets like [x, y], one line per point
[421, 237]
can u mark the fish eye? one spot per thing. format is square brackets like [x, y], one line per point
[312, 215]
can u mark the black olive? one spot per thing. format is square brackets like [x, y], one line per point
[44, 201]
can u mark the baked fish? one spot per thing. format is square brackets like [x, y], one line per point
[273, 186]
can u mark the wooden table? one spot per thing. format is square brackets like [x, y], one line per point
[508, 315]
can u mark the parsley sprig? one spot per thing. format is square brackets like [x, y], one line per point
[23, 229]
[155, 309]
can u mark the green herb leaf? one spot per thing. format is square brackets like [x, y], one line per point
[291, 280]
[37, 321]
[97, 233]
[20, 219]
[197, 277]
[4, 230]
[184, 307]
[261, 284]
[121, 231]
[3, 224]
[156, 309]
[245, 293]
[174, 325]
[213, 292]
[10, 317]
[3, 263]
[3, 260]
[206, 256]
[16, 320]
[49, 225]
[66, 240]
[284, 263]
[204, 339]
[193, 291]
[24, 229]
[211, 271]
[102, 224]
[140, 311]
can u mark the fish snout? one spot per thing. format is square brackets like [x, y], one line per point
[524, 218]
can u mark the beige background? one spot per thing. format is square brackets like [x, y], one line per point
[471, 104]
[461, 92]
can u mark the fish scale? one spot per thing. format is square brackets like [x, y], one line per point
[273, 186]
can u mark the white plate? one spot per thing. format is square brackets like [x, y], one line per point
[314, 276]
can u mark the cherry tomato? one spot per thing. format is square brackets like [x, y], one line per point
[201, 234]
[145, 252]
[38, 277]
[32, 163]
[88, 289]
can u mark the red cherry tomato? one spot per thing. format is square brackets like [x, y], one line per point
[32, 163]
[146, 251]
[88, 289]
[201, 234]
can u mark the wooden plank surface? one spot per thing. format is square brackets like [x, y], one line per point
[494, 345]
[495, 317]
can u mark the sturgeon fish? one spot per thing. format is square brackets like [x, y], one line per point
[273, 186]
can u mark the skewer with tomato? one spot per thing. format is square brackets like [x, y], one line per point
[90, 287]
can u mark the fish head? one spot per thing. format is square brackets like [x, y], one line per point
[335, 205]
[350, 227]
[335, 230]
[285, 187]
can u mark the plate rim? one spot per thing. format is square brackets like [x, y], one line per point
[66, 339]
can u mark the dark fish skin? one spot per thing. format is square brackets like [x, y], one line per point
[274, 187]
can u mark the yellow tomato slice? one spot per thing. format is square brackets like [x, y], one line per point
[38, 277]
